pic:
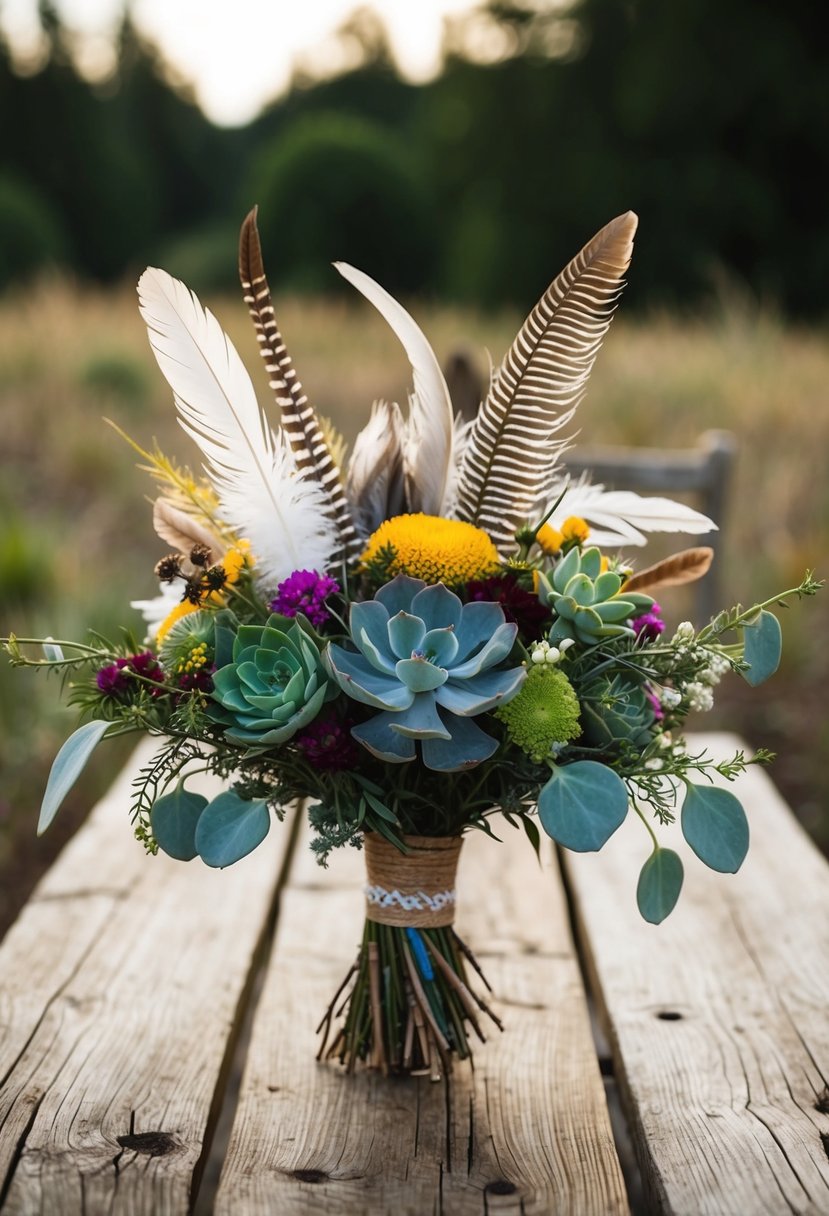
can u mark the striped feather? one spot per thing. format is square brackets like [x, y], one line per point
[300, 425]
[510, 458]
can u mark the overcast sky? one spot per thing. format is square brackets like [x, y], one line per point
[239, 53]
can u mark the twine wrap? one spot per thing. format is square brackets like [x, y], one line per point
[415, 889]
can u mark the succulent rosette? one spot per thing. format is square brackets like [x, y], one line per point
[430, 663]
[274, 684]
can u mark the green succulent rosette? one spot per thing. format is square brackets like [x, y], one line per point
[616, 710]
[586, 601]
[273, 685]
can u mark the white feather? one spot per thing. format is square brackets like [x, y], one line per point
[621, 517]
[262, 496]
[428, 457]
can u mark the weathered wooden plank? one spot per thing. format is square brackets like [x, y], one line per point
[719, 1018]
[525, 1131]
[122, 982]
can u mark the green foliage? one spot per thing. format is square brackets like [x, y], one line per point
[762, 648]
[339, 187]
[30, 230]
[582, 805]
[660, 883]
[116, 374]
[229, 828]
[715, 826]
[174, 819]
[69, 763]
[26, 561]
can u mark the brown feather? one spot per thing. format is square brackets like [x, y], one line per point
[299, 421]
[684, 567]
[182, 531]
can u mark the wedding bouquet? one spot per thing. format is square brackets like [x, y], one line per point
[436, 631]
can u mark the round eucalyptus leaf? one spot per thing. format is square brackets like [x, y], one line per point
[762, 646]
[582, 805]
[229, 828]
[173, 820]
[660, 883]
[715, 826]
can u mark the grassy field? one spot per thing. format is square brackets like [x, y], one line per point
[76, 542]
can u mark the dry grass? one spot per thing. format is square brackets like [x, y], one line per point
[75, 536]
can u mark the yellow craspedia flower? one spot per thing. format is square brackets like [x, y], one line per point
[434, 549]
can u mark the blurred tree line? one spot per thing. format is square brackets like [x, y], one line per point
[708, 120]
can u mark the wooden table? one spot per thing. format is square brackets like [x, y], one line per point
[157, 1039]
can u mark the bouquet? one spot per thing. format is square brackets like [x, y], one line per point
[437, 631]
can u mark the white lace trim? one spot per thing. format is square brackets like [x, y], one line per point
[418, 901]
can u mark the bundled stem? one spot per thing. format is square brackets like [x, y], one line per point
[410, 1009]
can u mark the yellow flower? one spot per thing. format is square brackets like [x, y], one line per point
[575, 529]
[180, 610]
[234, 562]
[550, 539]
[434, 549]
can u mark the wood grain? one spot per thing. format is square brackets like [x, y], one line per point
[525, 1131]
[122, 982]
[719, 1018]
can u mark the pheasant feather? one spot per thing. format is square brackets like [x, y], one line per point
[510, 458]
[299, 421]
[263, 496]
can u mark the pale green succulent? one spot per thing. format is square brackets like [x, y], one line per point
[586, 601]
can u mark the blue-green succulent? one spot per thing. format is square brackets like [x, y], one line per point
[615, 709]
[430, 664]
[274, 684]
[586, 601]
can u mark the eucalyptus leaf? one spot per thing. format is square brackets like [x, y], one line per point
[762, 647]
[660, 883]
[68, 766]
[715, 826]
[229, 828]
[174, 818]
[582, 805]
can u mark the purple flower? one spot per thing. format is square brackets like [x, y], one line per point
[328, 745]
[305, 591]
[114, 679]
[649, 626]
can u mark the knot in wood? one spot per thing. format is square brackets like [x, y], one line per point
[151, 1144]
[415, 889]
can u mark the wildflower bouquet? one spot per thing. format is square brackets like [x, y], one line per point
[435, 632]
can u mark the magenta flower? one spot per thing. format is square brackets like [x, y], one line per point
[649, 626]
[114, 679]
[328, 745]
[305, 591]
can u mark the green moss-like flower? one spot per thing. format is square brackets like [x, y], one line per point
[545, 711]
